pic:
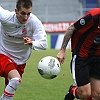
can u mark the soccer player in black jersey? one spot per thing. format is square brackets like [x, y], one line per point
[85, 62]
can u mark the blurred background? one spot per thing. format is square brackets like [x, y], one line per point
[56, 15]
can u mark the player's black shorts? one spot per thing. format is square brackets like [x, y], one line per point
[84, 68]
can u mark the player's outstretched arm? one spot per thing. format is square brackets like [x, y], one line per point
[62, 55]
[67, 37]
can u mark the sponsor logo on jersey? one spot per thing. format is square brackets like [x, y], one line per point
[82, 22]
[24, 30]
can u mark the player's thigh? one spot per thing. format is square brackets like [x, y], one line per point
[13, 73]
[16, 71]
[95, 87]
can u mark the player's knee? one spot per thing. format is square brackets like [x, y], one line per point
[15, 82]
[84, 94]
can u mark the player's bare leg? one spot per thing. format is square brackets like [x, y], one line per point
[14, 81]
[91, 91]
[79, 92]
[95, 86]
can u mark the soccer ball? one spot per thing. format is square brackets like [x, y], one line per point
[49, 67]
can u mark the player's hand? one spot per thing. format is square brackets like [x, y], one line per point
[27, 40]
[61, 56]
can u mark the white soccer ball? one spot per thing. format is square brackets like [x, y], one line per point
[49, 67]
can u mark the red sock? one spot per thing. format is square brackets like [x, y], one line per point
[74, 91]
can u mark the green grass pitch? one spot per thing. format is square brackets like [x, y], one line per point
[34, 87]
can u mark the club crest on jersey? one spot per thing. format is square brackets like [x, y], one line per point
[24, 30]
[82, 22]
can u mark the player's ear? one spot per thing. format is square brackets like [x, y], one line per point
[16, 10]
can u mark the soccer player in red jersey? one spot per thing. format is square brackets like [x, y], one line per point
[21, 32]
[85, 62]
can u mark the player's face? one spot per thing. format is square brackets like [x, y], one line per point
[23, 14]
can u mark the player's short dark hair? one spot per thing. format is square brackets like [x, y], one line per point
[23, 3]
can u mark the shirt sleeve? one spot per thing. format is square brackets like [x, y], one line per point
[3, 14]
[39, 36]
[84, 23]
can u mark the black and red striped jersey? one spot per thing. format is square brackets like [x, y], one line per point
[85, 41]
